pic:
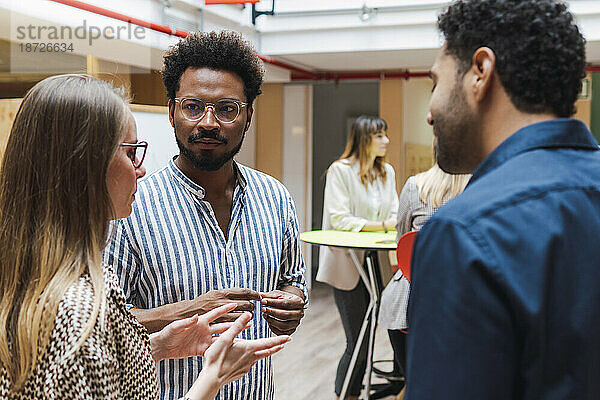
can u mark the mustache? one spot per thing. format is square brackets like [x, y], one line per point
[213, 135]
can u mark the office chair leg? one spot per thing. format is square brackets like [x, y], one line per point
[381, 390]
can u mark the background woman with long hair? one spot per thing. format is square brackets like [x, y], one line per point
[71, 165]
[421, 196]
[360, 195]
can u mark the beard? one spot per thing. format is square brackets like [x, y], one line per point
[456, 135]
[206, 161]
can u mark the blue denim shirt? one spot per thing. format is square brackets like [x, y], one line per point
[505, 295]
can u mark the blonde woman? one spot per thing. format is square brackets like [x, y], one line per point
[360, 195]
[421, 196]
[70, 166]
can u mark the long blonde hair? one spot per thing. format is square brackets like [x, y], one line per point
[359, 139]
[435, 187]
[54, 210]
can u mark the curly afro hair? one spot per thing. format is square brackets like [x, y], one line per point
[540, 53]
[224, 50]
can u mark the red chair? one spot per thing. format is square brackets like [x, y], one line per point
[404, 252]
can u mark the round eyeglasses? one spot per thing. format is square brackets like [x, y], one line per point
[136, 152]
[224, 110]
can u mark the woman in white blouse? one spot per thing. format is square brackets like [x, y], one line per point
[360, 195]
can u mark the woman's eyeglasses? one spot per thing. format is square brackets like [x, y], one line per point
[136, 152]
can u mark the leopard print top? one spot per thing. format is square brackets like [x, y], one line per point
[113, 363]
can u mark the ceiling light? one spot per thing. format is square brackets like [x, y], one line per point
[365, 13]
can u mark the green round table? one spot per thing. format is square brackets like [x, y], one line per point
[354, 240]
[370, 242]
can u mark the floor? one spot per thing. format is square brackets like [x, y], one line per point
[305, 369]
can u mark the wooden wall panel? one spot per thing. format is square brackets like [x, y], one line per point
[417, 158]
[390, 109]
[268, 114]
[8, 110]
[595, 104]
[119, 75]
[143, 87]
[584, 106]
[148, 88]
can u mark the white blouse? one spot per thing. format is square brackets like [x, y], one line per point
[347, 206]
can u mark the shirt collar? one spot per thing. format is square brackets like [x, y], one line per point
[240, 174]
[198, 190]
[556, 133]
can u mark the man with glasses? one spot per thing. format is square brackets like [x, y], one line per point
[205, 230]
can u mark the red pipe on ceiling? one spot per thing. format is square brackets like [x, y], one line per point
[335, 76]
[289, 67]
[301, 74]
[122, 17]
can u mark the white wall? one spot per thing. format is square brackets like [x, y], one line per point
[155, 129]
[247, 154]
[297, 156]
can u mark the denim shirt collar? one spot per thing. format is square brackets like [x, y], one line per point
[556, 133]
[197, 190]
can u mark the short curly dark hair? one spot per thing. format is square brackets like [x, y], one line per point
[540, 52]
[225, 50]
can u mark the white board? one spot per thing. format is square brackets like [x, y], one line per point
[155, 129]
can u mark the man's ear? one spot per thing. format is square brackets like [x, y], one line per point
[171, 106]
[249, 113]
[482, 72]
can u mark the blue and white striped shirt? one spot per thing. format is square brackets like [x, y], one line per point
[171, 248]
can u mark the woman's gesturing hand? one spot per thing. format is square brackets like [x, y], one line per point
[228, 358]
[189, 336]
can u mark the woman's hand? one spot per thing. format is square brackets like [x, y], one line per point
[228, 359]
[378, 226]
[390, 224]
[189, 336]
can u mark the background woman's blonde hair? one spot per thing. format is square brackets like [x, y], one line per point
[359, 139]
[54, 209]
[436, 187]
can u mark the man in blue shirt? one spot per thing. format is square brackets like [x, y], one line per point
[505, 300]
